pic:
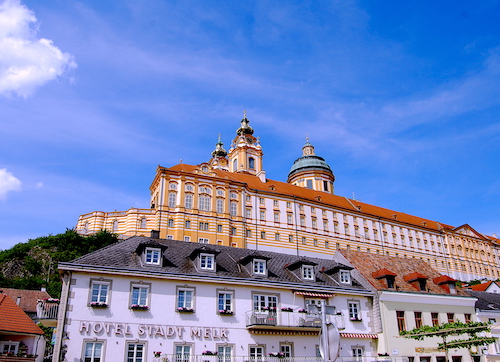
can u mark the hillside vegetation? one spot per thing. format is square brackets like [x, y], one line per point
[33, 264]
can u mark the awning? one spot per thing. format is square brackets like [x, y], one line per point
[314, 295]
[358, 335]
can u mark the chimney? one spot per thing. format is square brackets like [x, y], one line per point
[43, 289]
[155, 234]
[18, 301]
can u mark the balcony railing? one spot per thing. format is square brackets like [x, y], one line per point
[267, 358]
[280, 318]
[47, 309]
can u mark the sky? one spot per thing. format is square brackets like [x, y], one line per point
[402, 99]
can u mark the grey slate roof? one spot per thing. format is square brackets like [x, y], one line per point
[485, 300]
[179, 257]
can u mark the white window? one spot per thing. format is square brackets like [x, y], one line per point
[153, 256]
[256, 353]
[262, 234]
[249, 233]
[277, 237]
[354, 311]
[248, 213]
[143, 223]
[224, 353]
[188, 224]
[188, 201]
[115, 225]
[259, 267]
[204, 226]
[265, 302]
[189, 187]
[220, 192]
[275, 202]
[219, 228]
[309, 184]
[207, 261]
[286, 350]
[233, 208]
[185, 298]
[93, 352]
[170, 223]
[290, 238]
[234, 195]
[139, 295]
[357, 353]
[182, 353]
[276, 217]
[172, 198]
[225, 302]
[135, 352]
[345, 276]
[262, 215]
[172, 186]
[187, 238]
[100, 291]
[203, 240]
[220, 206]
[170, 237]
[204, 203]
[261, 200]
[289, 219]
[9, 347]
[308, 272]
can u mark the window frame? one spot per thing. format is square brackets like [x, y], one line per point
[155, 260]
[135, 358]
[345, 277]
[223, 296]
[259, 267]
[400, 319]
[185, 298]
[207, 261]
[140, 286]
[101, 282]
[94, 343]
[354, 308]
[307, 272]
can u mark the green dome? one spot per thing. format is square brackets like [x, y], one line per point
[309, 162]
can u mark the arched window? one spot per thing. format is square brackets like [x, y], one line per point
[188, 201]
[220, 206]
[204, 203]
[115, 225]
[143, 223]
[172, 198]
[235, 165]
[234, 208]
[251, 163]
[172, 186]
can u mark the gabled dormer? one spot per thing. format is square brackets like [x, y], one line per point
[303, 269]
[417, 280]
[341, 274]
[204, 259]
[386, 276]
[446, 283]
[256, 265]
[151, 253]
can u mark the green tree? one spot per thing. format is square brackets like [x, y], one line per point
[447, 330]
[33, 264]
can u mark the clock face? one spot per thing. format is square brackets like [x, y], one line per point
[249, 140]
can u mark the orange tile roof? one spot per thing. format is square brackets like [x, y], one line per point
[400, 266]
[13, 319]
[29, 298]
[283, 188]
[481, 287]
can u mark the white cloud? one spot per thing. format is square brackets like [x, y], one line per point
[8, 183]
[26, 62]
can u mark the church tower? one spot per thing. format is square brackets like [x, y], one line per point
[311, 171]
[219, 157]
[245, 155]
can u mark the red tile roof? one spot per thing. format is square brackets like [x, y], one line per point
[399, 266]
[481, 287]
[13, 319]
[282, 188]
[382, 273]
[414, 276]
[28, 299]
[443, 279]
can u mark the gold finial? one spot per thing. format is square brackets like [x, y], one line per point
[244, 113]
[307, 137]
[180, 160]
[219, 137]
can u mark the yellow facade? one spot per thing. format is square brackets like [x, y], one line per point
[229, 201]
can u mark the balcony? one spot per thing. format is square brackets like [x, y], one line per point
[15, 358]
[46, 311]
[281, 320]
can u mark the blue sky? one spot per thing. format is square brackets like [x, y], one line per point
[402, 99]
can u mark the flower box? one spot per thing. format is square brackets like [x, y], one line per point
[209, 353]
[302, 310]
[139, 307]
[354, 319]
[226, 312]
[287, 309]
[98, 305]
[277, 354]
[185, 310]
[157, 354]
[268, 309]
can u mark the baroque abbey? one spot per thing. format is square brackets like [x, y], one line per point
[229, 201]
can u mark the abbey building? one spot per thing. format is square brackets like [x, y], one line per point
[230, 201]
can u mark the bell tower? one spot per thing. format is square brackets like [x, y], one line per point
[219, 157]
[245, 154]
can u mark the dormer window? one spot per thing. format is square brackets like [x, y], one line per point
[207, 261]
[345, 276]
[419, 281]
[152, 256]
[259, 267]
[307, 272]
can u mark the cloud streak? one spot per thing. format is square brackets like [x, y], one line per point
[8, 183]
[26, 62]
